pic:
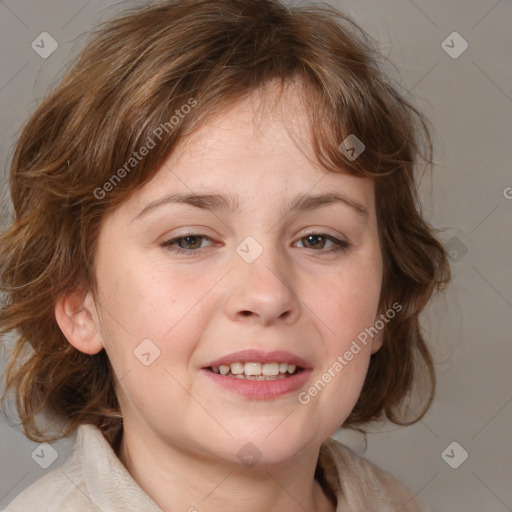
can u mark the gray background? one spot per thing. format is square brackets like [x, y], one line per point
[469, 101]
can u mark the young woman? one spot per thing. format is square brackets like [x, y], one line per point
[217, 260]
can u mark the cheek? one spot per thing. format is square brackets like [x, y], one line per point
[348, 309]
[151, 326]
[146, 300]
[349, 303]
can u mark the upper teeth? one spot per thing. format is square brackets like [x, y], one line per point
[255, 368]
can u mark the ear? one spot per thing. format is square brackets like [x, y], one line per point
[76, 315]
[378, 340]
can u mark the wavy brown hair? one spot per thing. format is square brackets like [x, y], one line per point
[135, 72]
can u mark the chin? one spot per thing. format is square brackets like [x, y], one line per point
[270, 441]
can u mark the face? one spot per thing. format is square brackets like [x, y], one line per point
[188, 289]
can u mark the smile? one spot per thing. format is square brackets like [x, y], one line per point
[259, 375]
[257, 371]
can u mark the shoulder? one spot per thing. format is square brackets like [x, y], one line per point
[62, 489]
[92, 479]
[360, 485]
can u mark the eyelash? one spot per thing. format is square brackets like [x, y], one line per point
[340, 245]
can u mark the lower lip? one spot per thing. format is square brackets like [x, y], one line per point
[260, 389]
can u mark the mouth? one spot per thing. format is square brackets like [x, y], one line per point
[259, 375]
[257, 370]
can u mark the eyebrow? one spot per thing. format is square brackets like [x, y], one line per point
[223, 202]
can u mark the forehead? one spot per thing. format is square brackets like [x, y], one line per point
[268, 119]
[258, 149]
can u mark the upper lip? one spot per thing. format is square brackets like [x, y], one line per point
[258, 356]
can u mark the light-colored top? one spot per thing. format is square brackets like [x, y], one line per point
[94, 479]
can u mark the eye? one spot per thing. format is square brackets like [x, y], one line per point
[191, 243]
[318, 240]
[188, 244]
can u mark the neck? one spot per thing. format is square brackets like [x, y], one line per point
[177, 479]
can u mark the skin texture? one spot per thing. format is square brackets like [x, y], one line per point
[182, 432]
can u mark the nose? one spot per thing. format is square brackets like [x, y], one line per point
[262, 291]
